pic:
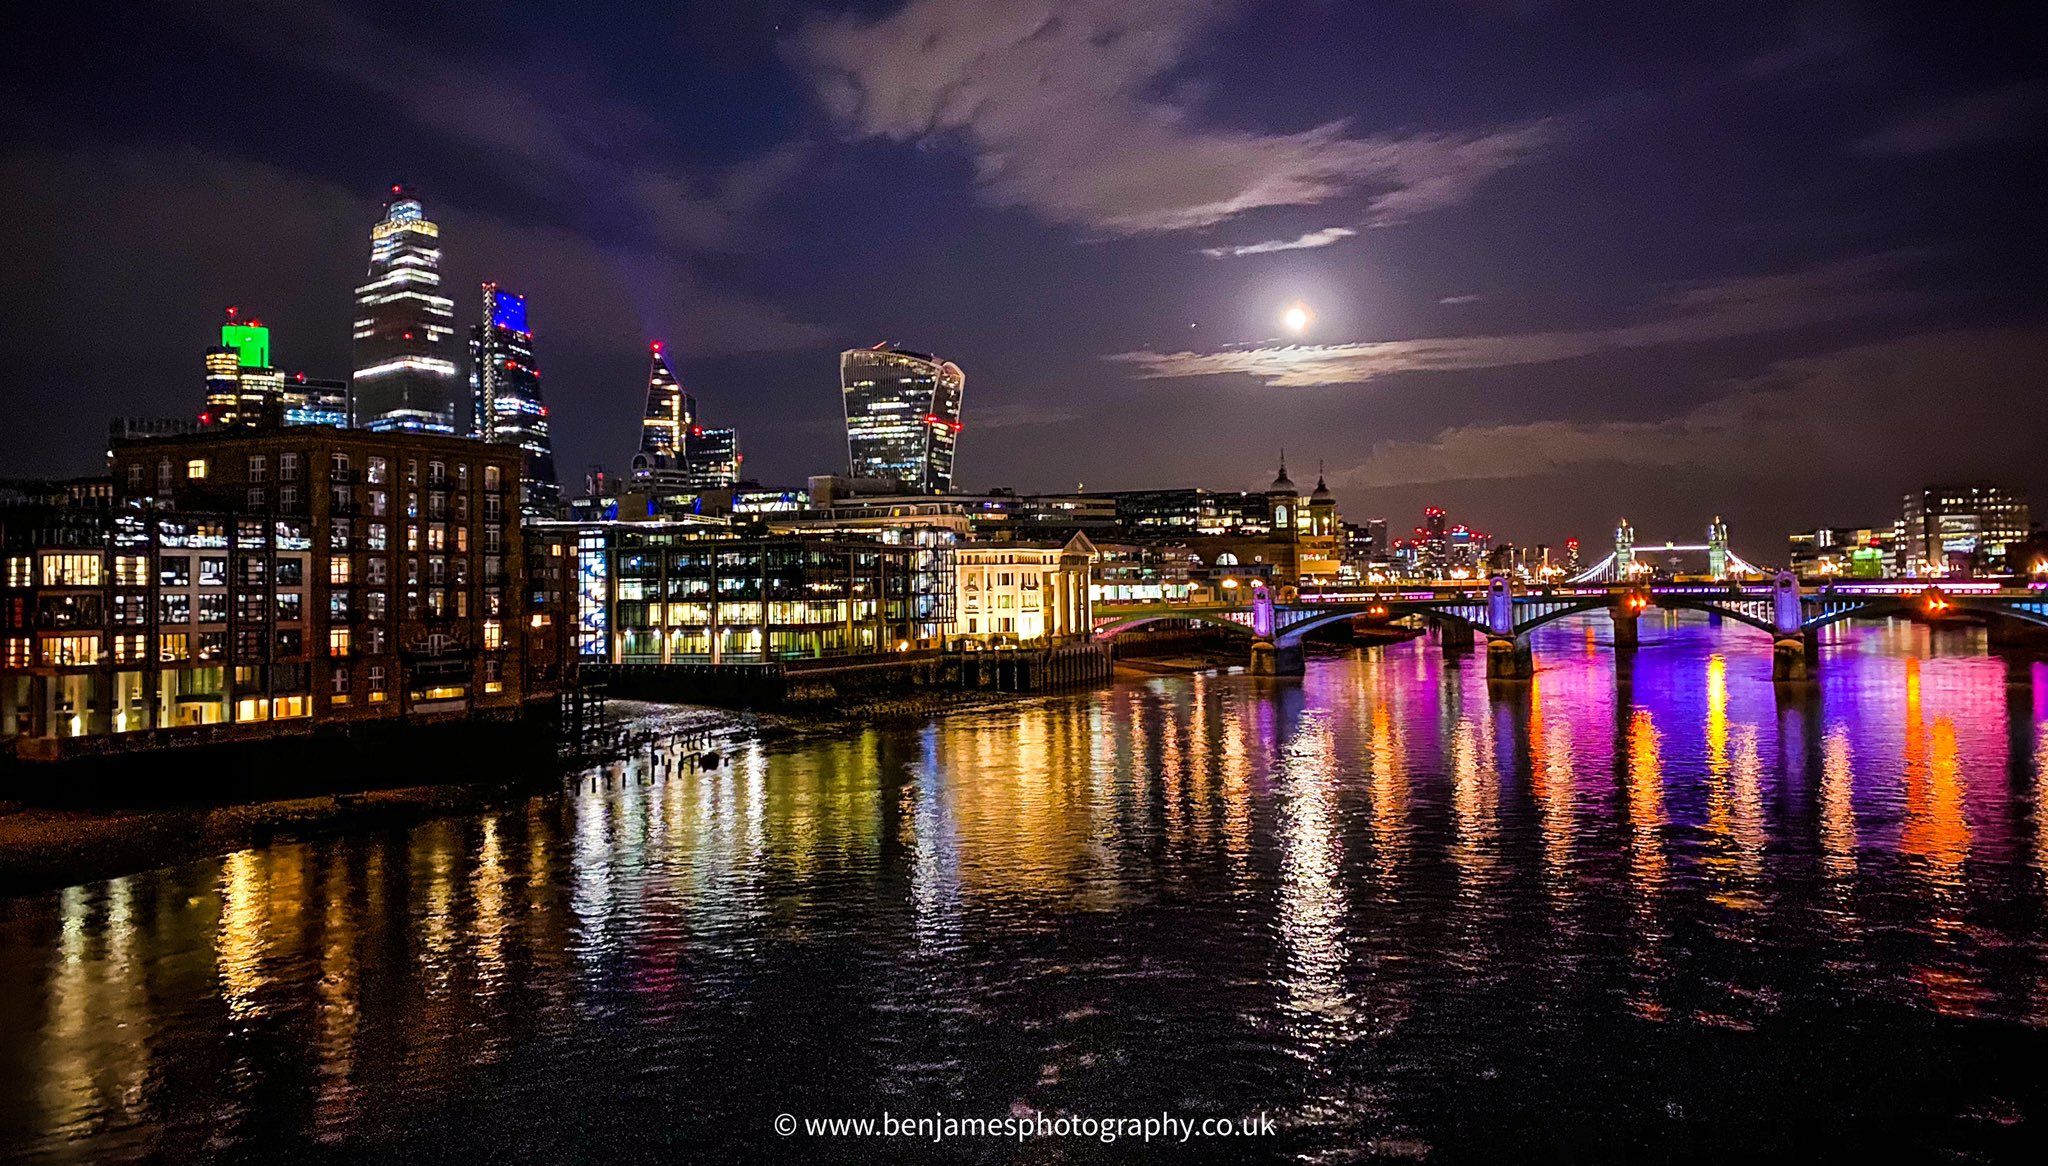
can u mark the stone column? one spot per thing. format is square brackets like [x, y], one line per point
[1627, 635]
[1795, 653]
[1271, 659]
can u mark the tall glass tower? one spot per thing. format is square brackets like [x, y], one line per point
[902, 416]
[670, 412]
[405, 377]
[509, 410]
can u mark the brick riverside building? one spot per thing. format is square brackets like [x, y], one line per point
[260, 583]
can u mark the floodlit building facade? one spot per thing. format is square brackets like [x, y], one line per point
[1956, 529]
[1024, 594]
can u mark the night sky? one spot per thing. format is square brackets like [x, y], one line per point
[1566, 260]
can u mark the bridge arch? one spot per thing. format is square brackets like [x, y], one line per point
[1731, 610]
[2033, 614]
[1564, 610]
[1882, 608]
[1906, 606]
[1110, 630]
[1294, 632]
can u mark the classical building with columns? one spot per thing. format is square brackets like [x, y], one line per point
[1024, 592]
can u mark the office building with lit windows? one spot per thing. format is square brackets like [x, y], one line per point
[405, 374]
[315, 401]
[245, 389]
[670, 411]
[1957, 529]
[902, 416]
[675, 592]
[677, 454]
[711, 458]
[258, 584]
[509, 408]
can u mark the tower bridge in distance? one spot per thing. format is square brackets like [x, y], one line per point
[1505, 615]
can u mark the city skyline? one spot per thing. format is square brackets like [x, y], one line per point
[1497, 327]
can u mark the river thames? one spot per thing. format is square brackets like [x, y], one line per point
[1620, 913]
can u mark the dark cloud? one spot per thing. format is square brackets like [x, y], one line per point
[1813, 418]
[1984, 118]
[553, 133]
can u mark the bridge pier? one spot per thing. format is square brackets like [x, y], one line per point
[1794, 657]
[1282, 659]
[1627, 633]
[1796, 651]
[1509, 658]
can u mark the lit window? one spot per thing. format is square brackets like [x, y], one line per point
[196, 468]
[71, 570]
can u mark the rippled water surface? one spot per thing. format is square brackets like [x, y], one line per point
[1659, 911]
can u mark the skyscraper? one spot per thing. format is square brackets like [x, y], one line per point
[902, 416]
[508, 407]
[670, 411]
[404, 328]
[675, 450]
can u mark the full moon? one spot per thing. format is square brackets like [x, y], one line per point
[1295, 318]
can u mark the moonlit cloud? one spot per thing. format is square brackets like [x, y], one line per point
[1321, 238]
[1053, 101]
[1454, 301]
[1718, 310]
[1811, 417]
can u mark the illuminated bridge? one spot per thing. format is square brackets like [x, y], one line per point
[1504, 615]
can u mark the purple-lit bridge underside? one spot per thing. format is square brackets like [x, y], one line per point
[1505, 615]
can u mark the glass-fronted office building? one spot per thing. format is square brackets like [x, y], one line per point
[902, 416]
[405, 374]
[509, 409]
[667, 593]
